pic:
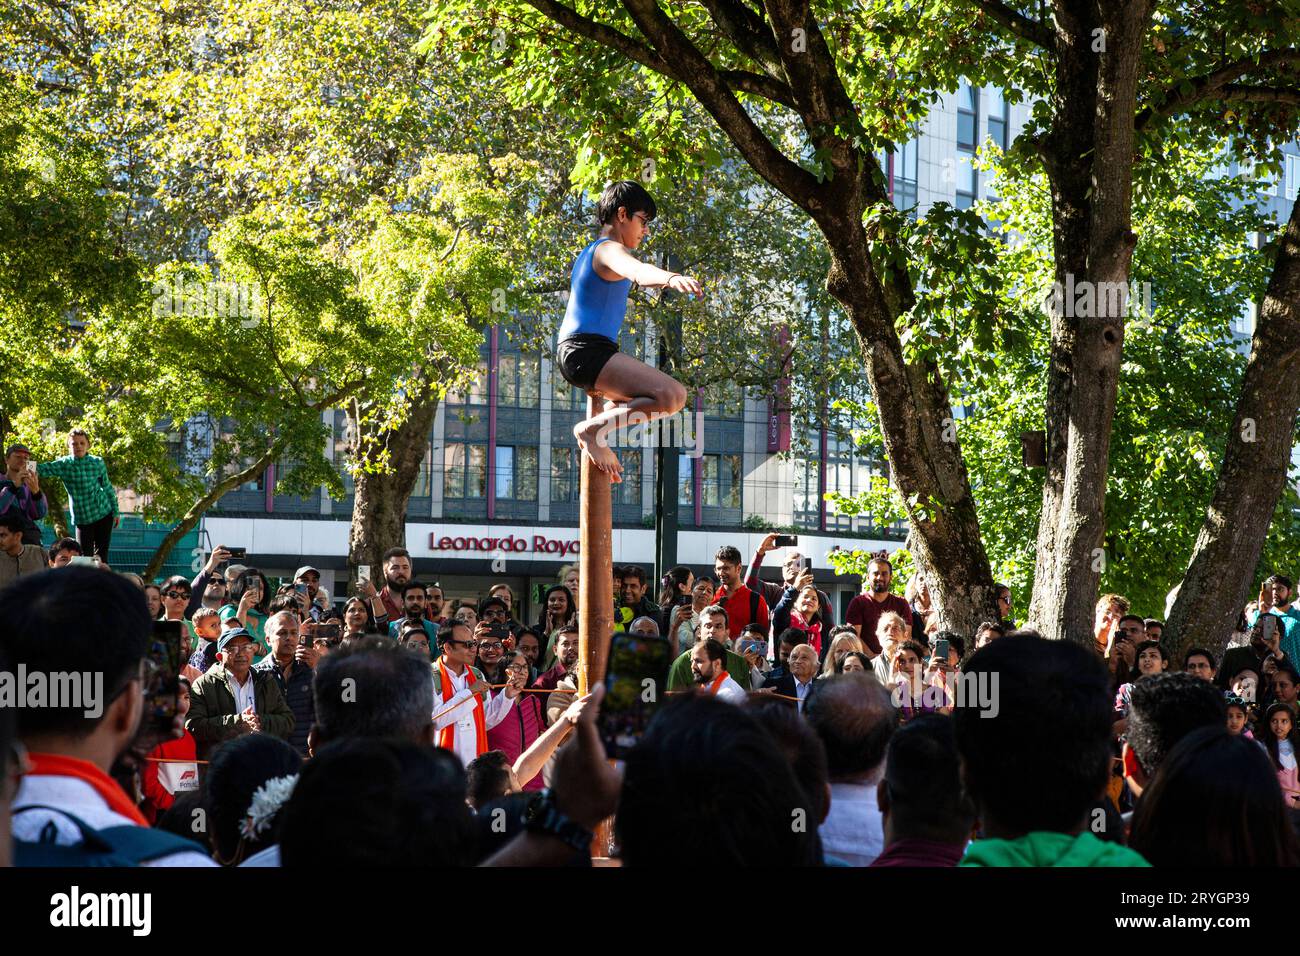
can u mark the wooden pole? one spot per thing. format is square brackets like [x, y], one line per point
[595, 570]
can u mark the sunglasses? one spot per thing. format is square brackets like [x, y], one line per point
[176, 595]
[469, 644]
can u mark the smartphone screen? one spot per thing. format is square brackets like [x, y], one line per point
[635, 684]
[162, 668]
[363, 573]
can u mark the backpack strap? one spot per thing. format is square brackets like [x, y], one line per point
[125, 845]
[753, 607]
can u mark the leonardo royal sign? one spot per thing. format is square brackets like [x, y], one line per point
[512, 543]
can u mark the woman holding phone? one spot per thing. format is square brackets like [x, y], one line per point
[800, 606]
[249, 595]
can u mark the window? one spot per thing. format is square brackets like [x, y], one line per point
[629, 491]
[905, 174]
[518, 380]
[685, 481]
[465, 471]
[807, 503]
[967, 130]
[516, 472]
[998, 118]
[564, 395]
[564, 477]
[1292, 176]
[722, 480]
[967, 116]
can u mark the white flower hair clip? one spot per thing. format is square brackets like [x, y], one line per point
[267, 801]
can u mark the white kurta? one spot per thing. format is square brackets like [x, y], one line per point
[457, 712]
[730, 691]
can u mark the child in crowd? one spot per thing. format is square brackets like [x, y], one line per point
[1281, 743]
[1238, 717]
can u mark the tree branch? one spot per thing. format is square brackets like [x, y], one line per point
[1215, 83]
[1018, 23]
[750, 32]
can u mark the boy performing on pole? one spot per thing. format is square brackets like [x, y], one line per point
[587, 354]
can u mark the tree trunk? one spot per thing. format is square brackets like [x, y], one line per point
[1255, 464]
[920, 439]
[200, 507]
[1089, 159]
[379, 502]
[57, 514]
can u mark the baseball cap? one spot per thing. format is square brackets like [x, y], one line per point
[16, 447]
[229, 635]
[303, 570]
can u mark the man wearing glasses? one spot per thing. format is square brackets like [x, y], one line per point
[464, 707]
[231, 698]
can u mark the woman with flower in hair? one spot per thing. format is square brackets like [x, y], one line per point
[249, 780]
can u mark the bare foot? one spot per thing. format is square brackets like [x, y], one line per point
[596, 447]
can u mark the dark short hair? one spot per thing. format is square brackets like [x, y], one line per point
[395, 553]
[1165, 708]
[1041, 761]
[794, 636]
[1133, 617]
[1215, 802]
[389, 692]
[65, 544]
[411, 585]
[487, 777]
[12, 521]
[801, 746]
[1198, 652]
[363, 803]
[627, 193]
[955, 642]
[854, 717]
[1155, 622]
[727, 555]
[708, 776]
[922, 778]
[45, 626]
[568, 628]
[448, 631]
[716, 609]
[1281, 579]
[176, 581]
[241, 583]
[1148, 645]
[634, 571]
[993, 626]
[713, 650]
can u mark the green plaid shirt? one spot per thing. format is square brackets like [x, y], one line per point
[86, 480]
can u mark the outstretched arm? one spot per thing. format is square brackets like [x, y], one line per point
[615, 257]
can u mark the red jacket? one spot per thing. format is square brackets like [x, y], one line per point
[523, 725]
[157, 798]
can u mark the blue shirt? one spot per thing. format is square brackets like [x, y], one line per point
[394, 630]
[1290, 642]
[596, 306]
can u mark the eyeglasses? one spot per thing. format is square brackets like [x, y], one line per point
[238, 650]
[176, 595]
[516, 667]
[469, 644]
[496, 614]
[490, 645]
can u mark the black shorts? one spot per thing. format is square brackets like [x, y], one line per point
[581, 357]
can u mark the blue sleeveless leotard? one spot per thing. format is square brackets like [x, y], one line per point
[596, 306]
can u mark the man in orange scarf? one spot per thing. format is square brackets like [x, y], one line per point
[464, 707]
[709, 666]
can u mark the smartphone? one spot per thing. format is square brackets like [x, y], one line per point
[499, 630]
[84, 561]
[363, 574]
[238, 554]
[941, 649]
[759, 647]
[786, 541]
[635, 682]
[31, 467]
[1267, 623]
[300, 589]
[806, 564]
[161, 687]
[682, 600]
[326, 631]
